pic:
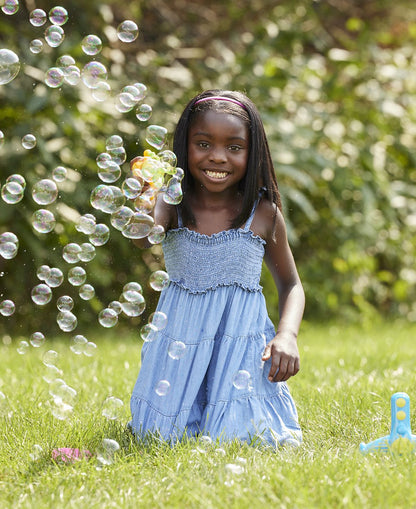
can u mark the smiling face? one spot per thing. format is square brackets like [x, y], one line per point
[218, 148]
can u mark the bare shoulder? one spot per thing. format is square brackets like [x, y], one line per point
[268, 221]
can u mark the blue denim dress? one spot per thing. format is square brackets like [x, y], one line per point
[203, 374]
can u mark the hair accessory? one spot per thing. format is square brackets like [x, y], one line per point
[220, 98]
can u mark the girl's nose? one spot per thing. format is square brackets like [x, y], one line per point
[218, 155]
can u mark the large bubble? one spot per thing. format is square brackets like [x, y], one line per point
[127, 31]
[94, 73]
[43, 221]
[9, 66]
[45, 192]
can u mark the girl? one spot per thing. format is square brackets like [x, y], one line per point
[219, 368]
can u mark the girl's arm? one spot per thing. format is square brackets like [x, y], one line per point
[283, 349]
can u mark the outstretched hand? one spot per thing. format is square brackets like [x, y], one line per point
[283, 351]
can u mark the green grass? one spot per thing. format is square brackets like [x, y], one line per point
[342, 392]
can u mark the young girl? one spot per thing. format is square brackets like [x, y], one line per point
[227, 376]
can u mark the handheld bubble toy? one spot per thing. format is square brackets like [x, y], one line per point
[400, 440]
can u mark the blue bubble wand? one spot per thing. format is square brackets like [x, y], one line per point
[401, 440]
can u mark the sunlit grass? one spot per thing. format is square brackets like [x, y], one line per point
[343, 396]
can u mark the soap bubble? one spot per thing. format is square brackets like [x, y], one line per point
[143, 112]
[112, 408]
[156, 234]
[132, 286]
[50, 358]
[77, 276]
[91, 44]
[86, 292]
[64, 62]
[71, 252]
[9, 245]
[141, 87]
[242, 379]
[78, 343]
[132, 304]
[113, 141]
[234, 469]
[44, 192]
[1, 138]
[115, 306]
[86, 224]
[67, 321]
[87, 252]
[18, 179]
[168, 157]
[107, 450]
[162, 388]
[131, 188]
[10, 7]
[121, 217]
[59, 173]
[158, 319]
[37, 339]
[90, 349]
[36, 453]
[139, 226]
[177, 350]
[37, 17]
[72, 75]
[109, 199]
[127, 31]
[101, 92]
[54, 77]
[173, 192]
[102, 159]
[9, 66]
[41, 294]
[100, 236]
[58, 15]
[43, 272]
[36, 46]
[22, 347]
[110, 173]
[12, 192]
[7, 307]
[156, 136]
[29, 141]
[148, 333]
[65, 303]
[93, 73]
[108, 318]
[55, 277]
[118, 154]
[54, 36]
[43, 221]
[159, 280]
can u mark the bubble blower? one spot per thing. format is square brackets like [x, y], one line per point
[401, 440]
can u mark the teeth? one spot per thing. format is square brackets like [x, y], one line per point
[216, 174]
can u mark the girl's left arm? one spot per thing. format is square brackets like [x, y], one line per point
[283, 349]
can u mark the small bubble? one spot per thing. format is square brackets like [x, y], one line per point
[91, 44]
[78, 343]
[41, 294]
[112, 408]
[43, 272]
[143, 112]
[162, 388]
[36, 46]
[148, 333]
[55, 277]
[127, 31]
[157, 234]
[54, 36]
[72, 75]
[71, 251]
[177, 350]
[158, 319]
[159, 280]
[131, 188]
[66, 321]
[108, 318]
[65, 303]
[121, 217]
[7, 307]
[115, 306]
[22, 347]
[45, 192]
[37, 339]
[102, 91]
[107, 450]
[12, 192]
[54, 77]
[93, 73]
[110, 173]
[113, 141]
[59, 173]
[139, 226]
[58, 15]
[86, 292]
[90, 349]
[242, 379]
[29, 141]
[36, 453]
[100, 236]
[77, 276]
[87, 252]
[86, 224]
[10, 7]
[43, 221]
[37, 17]
[156, 136]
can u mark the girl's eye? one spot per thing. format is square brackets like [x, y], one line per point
[235, 148]
[203, 144]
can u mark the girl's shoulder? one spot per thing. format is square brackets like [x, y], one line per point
[268, 220]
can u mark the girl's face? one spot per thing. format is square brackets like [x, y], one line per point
[218, 148]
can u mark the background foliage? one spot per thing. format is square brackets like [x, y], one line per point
[335, 83]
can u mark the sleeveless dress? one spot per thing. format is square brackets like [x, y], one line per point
[203, 373]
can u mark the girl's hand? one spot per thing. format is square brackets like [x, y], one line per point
[284, 352]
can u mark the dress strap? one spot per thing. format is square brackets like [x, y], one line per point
[180, 222]
[253, 210]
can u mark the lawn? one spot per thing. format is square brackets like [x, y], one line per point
[343, 391]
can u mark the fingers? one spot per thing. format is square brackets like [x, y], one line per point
[282, 368]
[267, 353]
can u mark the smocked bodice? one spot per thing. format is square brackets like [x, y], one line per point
[198, 262]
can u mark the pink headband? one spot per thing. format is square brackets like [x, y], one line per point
[220, 98]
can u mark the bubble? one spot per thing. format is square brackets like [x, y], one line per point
[101, 92]
[118, 155]
[7, 307]
[91, 44]
[29, 141]
[127, 31]
[108, 318]
[65, 303]
[51, 373]
[10, 7]
[37, 339]
[148, 333]
[141, 87]
[242, 379]
[86, 292]
[102, 159]
[173, 193]
[43, 272]
[55, 277]
[100, 236]
[177, 350]
[1, 138]
[77, 276]
[110, 173]
[109, 199]
[50, 358]
[78, 343]
[36, 453]
[9, 66]
[36, 46]
[86, 224]
[12, 192]
[234, 469]
[54, 36]
[61, 410]
[58, 15]
[41, 294]
[156, 136]
[120, 218]
[87, 252]
[93, 73]
[59, 173]
[66, 321]
[22, 347]
[71, 252]
[72, 75]
[107, 450]
[113, 141]
[54, 77]
[43, 221]
[45, 192]
[115, 306]
[143, 112]
[159, 280]
[37, 17]
[90, 349]
[18, 179]
[139, 226]
[132, 286]
[130, 95]
[158, 319]
[162, 388]
[9, 245]
[131, 188]
[156, 234]
[132, 304]
[112, 408]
